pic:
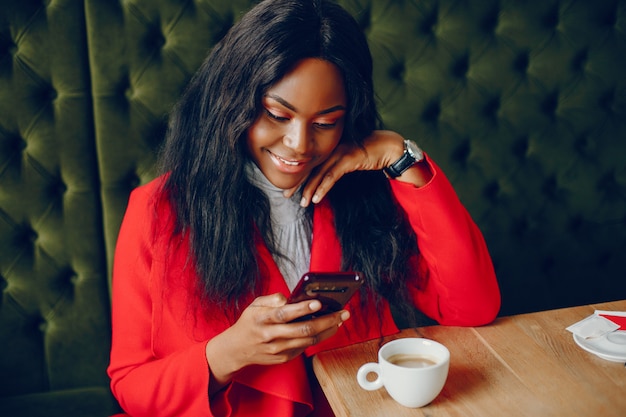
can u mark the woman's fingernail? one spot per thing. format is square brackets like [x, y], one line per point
[345, 316]
[315, 305]
[303, 202]
[316, 198]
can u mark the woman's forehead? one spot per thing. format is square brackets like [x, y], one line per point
[313, 84]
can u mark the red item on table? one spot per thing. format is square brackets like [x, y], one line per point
[619, 320]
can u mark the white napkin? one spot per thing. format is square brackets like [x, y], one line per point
[593, 326]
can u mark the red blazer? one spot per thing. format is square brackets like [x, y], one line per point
[158, 365]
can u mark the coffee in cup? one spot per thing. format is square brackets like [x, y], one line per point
[409, 360]
[412, 370]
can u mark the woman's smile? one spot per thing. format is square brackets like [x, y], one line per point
[287, 165]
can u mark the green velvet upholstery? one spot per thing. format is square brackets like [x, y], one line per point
[523, 104]
[54, 313]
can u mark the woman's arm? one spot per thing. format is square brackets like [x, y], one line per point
[458, 285]
[144, 384]
[195, 378]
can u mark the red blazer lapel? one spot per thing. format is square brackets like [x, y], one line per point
[275, 281]
[325, 247]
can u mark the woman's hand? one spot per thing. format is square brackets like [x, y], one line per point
[380, 149]
[264, 335]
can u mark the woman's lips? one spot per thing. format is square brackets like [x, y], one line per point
[289, 166]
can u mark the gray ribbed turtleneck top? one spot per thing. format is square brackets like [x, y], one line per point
[292, 227]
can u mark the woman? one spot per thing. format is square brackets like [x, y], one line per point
[273, 166]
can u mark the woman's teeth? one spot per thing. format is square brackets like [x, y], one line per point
[286, 162]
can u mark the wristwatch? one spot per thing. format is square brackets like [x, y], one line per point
[412, 155]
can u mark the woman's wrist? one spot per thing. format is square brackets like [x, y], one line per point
[419, 174]
[220, 372]
[396, 150]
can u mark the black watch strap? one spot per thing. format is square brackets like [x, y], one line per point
[412, 154]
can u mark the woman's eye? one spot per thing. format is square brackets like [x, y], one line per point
[275, 117]
[325, 125]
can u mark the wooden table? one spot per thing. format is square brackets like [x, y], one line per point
[524, 365]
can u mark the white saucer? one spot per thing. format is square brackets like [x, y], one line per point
[611, 346]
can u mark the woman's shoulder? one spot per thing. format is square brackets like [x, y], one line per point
[151, 194]
[150, 197]
[149, 207]
[150, 189]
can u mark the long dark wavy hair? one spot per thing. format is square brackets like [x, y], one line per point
[205, 154]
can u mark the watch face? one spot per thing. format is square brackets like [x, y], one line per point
[414, 150]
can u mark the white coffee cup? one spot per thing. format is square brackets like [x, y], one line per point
[412, 370]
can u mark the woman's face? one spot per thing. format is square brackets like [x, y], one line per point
[300, 123]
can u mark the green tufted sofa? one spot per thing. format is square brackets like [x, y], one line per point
[523, 103]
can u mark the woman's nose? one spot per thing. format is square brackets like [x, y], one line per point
[298, 138]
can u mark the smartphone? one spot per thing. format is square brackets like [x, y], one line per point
[332, 289]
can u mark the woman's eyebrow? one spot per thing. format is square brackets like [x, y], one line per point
[332, 109]
[292, 108]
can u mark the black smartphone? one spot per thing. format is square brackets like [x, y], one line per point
[332, 289]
